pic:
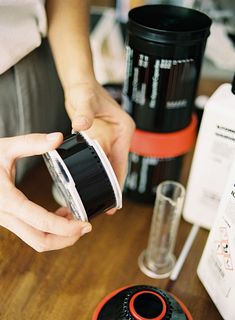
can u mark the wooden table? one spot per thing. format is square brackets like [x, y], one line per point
[68, 284]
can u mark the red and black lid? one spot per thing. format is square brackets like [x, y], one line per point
[164, 145]
[141, 302]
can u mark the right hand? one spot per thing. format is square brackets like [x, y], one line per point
[93, 110]
[39, 228]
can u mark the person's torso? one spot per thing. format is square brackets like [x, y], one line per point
[22, 26]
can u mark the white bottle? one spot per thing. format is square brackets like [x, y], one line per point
[214, 151]
[216, 269]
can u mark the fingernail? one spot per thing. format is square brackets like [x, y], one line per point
[53, 136]
[86, 229]
[111, 211]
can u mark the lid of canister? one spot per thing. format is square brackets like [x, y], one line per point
[140, 302]
[164, 145]
[168, 24]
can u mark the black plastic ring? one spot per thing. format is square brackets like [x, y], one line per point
[84, 176]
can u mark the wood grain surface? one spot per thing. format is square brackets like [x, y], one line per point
[68, 284]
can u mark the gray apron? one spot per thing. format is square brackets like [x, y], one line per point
[32, 101]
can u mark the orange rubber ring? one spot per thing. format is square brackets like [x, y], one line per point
[164, 145]
[115, 292]
[137, 316]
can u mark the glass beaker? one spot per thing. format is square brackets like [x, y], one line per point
[158, 260]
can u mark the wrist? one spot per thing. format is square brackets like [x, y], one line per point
[86, 86]
[77, 80]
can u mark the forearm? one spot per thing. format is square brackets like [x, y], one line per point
[68, 33]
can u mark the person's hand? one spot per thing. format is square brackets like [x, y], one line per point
[91, 108]
[39, 228]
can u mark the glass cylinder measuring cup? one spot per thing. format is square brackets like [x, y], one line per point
[158, 260]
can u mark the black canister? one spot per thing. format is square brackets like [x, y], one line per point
[141, 302]
[155, 157]
[165, 47]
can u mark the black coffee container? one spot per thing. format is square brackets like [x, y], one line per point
[165, 47]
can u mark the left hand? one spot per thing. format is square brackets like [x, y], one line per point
[91, 108]
[41, 229]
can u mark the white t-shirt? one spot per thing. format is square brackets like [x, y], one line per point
[23, 23]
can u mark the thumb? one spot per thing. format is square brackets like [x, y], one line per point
[83, 117]
[32, 144]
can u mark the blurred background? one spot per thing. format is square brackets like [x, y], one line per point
[219, 61]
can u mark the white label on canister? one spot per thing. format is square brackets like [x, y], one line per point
[176, 104]
[150, 81]
[155, 84]
[135, 84]
[146, 162]
[166, 64]
[143, 61]
[129, 63]
[132, 177]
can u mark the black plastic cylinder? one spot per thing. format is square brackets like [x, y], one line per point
[155, 157]
[83, 176]
[145, 174]
[89, 175]
[164, 50]
[141, 302]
